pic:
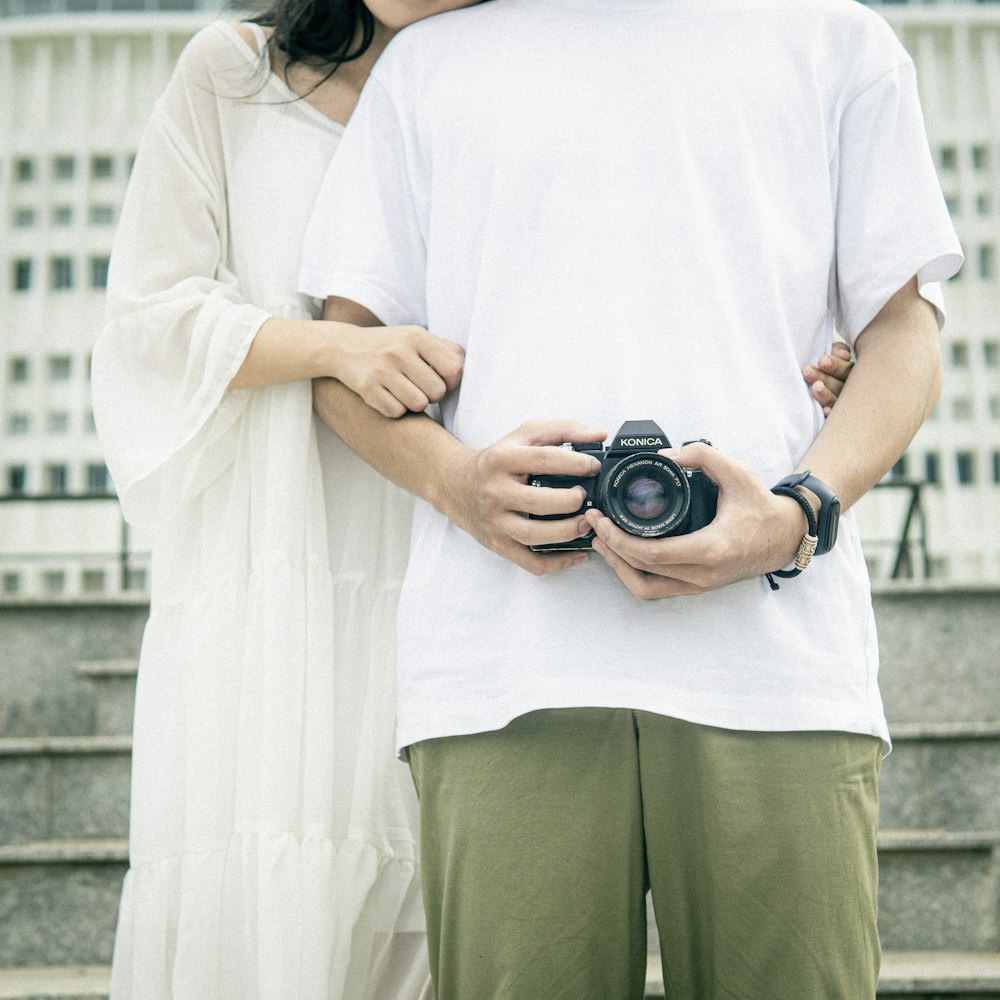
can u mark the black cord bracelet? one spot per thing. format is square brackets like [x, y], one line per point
[808, 545]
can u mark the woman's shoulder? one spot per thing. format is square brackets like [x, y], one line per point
[218, 50]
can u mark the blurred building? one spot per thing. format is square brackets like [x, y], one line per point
[956, 47]
[77, 81]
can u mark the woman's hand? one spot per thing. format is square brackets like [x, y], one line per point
[395, 369]
[827, 377]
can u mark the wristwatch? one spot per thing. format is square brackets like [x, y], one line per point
[829, 507]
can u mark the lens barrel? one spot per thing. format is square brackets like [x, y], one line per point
[646, 494]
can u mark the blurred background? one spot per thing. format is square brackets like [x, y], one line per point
[77, 81]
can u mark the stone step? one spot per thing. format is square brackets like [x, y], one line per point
[913, 975]
[939, 890]
[939, 654]
[934, 975]
[64, 787]
[943, 775]
[113, 683]
[937, 975]
[86, 982]
[59, 901]
[43, 694]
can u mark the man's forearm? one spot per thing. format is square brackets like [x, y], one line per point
[892, 389]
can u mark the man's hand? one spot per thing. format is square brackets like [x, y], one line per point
[754, 532]
[488, 495]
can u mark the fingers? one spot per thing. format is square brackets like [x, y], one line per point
[444, 357]
[826, 378]
[646, 586]
[688, 559]
[554, 432]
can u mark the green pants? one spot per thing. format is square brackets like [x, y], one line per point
[540, 840]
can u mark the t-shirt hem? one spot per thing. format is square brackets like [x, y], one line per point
[832, 718]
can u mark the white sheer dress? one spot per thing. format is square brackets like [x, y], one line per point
[272, 832]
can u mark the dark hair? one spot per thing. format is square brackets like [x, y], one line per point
[319, 32]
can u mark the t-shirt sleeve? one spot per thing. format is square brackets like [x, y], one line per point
[892, 223]
[365, 241]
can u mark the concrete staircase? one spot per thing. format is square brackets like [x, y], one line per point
[63, 845]
[64, 808]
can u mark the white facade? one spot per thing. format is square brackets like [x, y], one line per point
[75, 90]
[956, 47]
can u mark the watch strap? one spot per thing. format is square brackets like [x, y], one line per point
[829, 507]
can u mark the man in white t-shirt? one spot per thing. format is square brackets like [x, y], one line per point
[617, 207]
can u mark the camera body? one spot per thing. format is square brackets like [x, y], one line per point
[644, 493]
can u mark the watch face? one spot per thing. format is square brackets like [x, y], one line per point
[829, 523]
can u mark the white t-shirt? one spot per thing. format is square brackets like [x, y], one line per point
[631, 210]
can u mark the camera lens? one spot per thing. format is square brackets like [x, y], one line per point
[645, 498]
[646, 494]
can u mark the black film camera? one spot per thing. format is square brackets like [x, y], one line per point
[644, 493]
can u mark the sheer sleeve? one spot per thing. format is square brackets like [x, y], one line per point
[177, 327]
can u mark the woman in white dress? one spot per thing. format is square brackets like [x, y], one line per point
[272, 833]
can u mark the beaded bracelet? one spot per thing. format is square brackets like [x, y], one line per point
[809, 540]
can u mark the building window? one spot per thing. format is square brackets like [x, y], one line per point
[984, 204]
[24, 218]
[102, 215]
[98, 272]
[986, 256]
[22, 275]
[93, 581]
[948, 158]
[101, 167]
[965, 467]
[54, 582]
[62, 216]
[18, 369]
[900, 469]
[56, 479]
[98, 480]
[996, 467]
[995, 407]
[57, 422]
[60, 367]
[17, 479]
[136, 579]
[18, 424]
[61, 273]
[961, 408]
[63, 168]
[980, 157]
[932, 468]
[960, 354]
[952, 203]
[12, 583]
[24, 170]
[89, 423]
[991, 353]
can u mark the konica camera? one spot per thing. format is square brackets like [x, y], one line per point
[644, 493]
